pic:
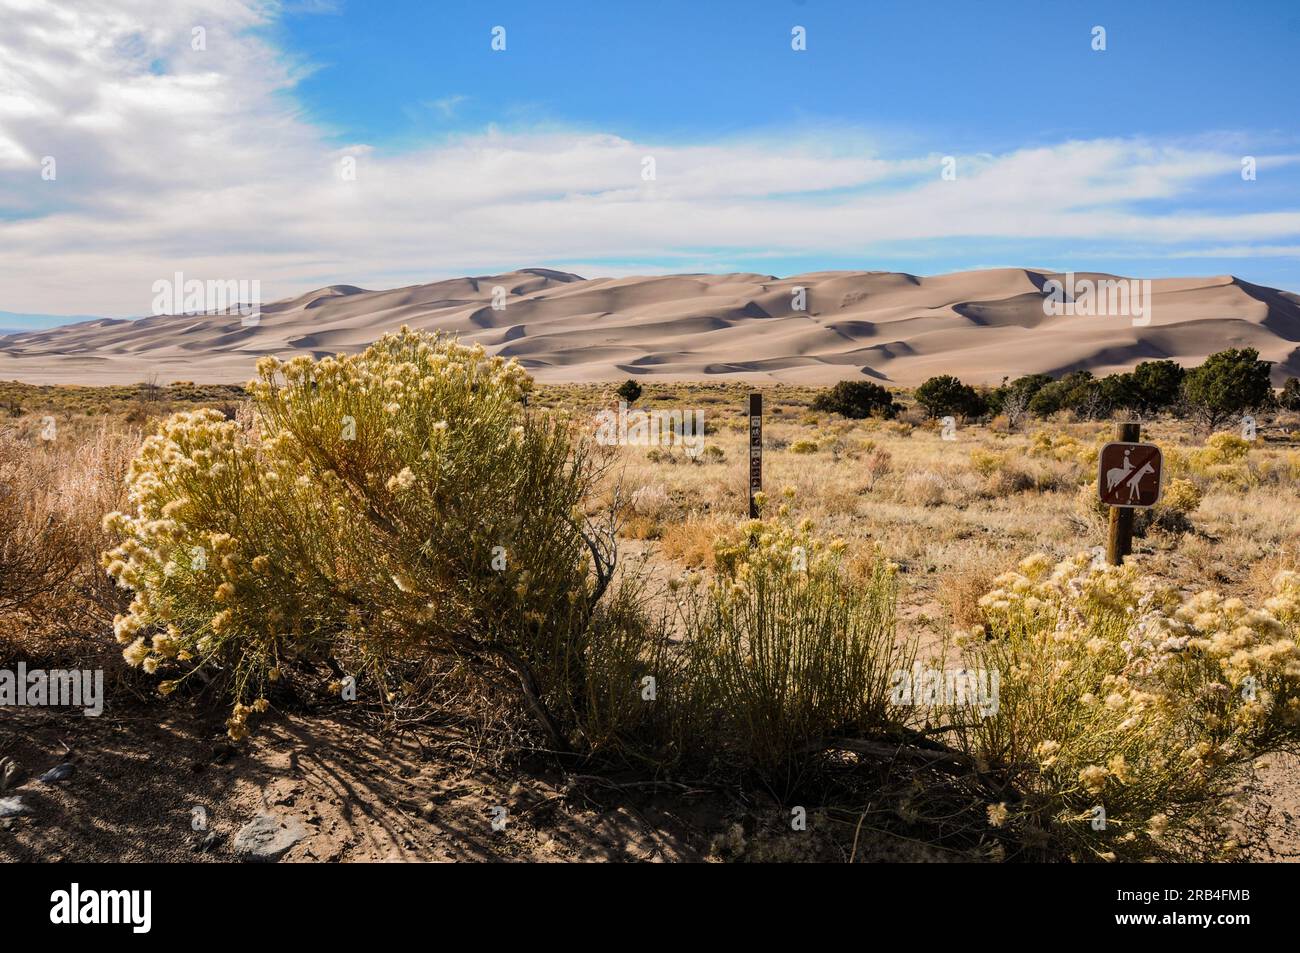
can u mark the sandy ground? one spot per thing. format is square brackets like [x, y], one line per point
[140, 774]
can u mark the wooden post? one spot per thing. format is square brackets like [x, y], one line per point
[1119, 541]
[755, 451]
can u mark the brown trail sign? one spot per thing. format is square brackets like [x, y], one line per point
[1129, 476]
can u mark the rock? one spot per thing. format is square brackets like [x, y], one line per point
[9, 769]
[212, 839]
[267, 837]
[12, 807]
[60, 772]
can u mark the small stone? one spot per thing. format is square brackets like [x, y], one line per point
[267, 837]
[285, 795]
[212, 839]
[9, 769]
[12, 807]
[60, 772]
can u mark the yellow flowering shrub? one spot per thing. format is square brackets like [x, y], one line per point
[1224, 459]
[1221, 448]
[392, 507]
[987, 462]
[1176, 462]
[1128, 716]
[1180, 496]
[786, 646]
[1063, 448]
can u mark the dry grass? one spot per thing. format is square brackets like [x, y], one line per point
[55, 487]
[690, 543]
[954, 513]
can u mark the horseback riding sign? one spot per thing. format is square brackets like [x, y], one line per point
[1130, 474]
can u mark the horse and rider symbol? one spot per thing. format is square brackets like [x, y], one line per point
[1129, 474]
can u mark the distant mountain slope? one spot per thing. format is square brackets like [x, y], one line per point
[13, 322]
[896, 328]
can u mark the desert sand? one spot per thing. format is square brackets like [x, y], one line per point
[891, 327]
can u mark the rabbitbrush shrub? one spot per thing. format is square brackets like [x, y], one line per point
[394, 506]
[786, 649]
[1127, 718]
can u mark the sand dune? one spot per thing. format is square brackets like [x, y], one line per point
[895, 328]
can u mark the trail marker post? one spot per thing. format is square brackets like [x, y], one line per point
[755, 451]
[1130, 476]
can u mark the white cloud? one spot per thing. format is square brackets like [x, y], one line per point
[199, 161]
[447, 105]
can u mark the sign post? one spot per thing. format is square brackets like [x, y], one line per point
[755, 451]
[1130, 476]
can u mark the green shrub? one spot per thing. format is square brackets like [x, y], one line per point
[1113, 393]
[629, 391]
[1086, 396]
[946, 395]
[1013, 399]
[1075, 391]
[856, 400]
[1157, 385]
[1289, 399]
[1229, 384]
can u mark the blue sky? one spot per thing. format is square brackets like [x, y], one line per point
[956, 76]
[766, 159]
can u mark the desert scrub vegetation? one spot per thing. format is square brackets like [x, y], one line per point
[405, 518]
[1128, 717]
[400, 511]
[138, 401]
[785, 650]
[395, 508]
